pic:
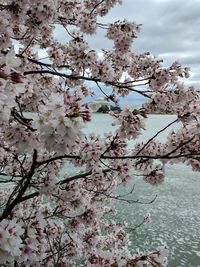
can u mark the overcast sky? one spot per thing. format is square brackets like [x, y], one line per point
[171, 31]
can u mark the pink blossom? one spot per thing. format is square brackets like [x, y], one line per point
[64, 182]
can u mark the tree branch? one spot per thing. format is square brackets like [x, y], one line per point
[96, 6]
[146, 144]
[39, 163]
[23, 189]
[22, 120]
[119, 85]
[64, 181]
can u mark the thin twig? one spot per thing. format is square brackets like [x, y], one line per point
[96, 6]
[146, 144]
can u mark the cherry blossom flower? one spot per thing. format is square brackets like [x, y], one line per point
[64, 181]
[11, 60]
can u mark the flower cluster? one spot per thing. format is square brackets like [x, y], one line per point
[10, 240]
[131, 123]
[63, 182]
[122, 33]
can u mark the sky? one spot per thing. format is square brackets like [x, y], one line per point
[170, 31]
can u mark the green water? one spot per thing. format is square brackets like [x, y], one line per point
[176, 211]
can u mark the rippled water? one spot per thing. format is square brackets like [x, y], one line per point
[175, 212]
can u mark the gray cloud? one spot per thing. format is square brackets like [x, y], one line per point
[170, 29]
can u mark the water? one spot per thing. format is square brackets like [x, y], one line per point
[175, 212]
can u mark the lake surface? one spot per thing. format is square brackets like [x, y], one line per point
[176, 211]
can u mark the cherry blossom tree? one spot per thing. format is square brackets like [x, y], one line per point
[47, 216]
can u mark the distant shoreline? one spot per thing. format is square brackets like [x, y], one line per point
[117, 112]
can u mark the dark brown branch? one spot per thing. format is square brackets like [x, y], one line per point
[22, 120]
[96, 6]
[79, 176]
[32, 195]
[23, 189]
[64, 181]
[153, 137]
[111, 144]
[182, 145]
[167, 156]
[107, 166]
[49, 65]
[133, 228]
[107, 96]
[75, 177]
[119, 85]
[140, 80]
[121, 197]
[137, 201]
[42, 64]
[39, 163]
[26, 48]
